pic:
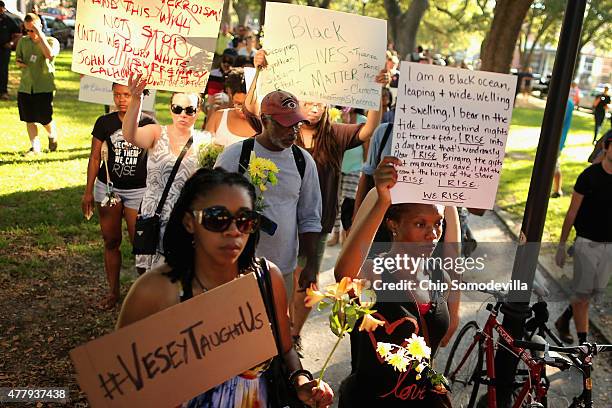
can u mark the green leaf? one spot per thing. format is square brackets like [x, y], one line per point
[334, 324]
[323, 305]
[351, 316]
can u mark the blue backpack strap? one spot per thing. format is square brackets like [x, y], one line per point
[300, 161]
[245, 154]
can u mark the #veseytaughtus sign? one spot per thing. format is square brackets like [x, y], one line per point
[178, 353]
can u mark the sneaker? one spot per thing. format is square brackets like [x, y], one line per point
[4, 97]
[562, 326]
[52, 145]
[297, 345]
[31, 153]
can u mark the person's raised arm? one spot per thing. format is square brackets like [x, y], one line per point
[250, 103]
[145, 136]
[367, 221]
[570, 217]
[374, 116]
[48, 51]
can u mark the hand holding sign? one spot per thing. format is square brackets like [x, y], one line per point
[137, 85]
[385, 177]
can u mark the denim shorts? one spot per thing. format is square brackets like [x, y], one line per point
[130, 198]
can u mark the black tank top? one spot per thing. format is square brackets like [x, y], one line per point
[374, 382]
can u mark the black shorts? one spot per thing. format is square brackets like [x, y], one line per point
[35, 108]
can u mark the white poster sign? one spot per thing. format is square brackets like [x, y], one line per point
[450, 131]
[171, 42]
[96, 90]
[323, 55]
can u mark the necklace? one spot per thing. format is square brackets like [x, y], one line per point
[200, 283]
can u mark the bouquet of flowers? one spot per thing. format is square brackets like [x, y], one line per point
[261, 172]
[345, 310]
[416, 355]
[207, 155]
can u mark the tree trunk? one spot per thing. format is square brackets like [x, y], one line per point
[403, 27]
[241, 7]
[498, 47]
[225, 17]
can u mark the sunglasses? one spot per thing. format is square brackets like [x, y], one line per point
[189, 110]
[219, 219]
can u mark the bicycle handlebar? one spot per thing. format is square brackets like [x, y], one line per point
[585, 348]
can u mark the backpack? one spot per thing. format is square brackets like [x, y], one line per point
[249, 144]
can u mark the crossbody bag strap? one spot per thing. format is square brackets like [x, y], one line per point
[175, 169]
[383, 142]
[265, 286]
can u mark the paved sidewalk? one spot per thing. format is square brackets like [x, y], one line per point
[318, 339]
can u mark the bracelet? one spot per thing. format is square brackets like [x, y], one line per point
[294, 375]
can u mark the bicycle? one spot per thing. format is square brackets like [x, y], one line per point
[466, 375]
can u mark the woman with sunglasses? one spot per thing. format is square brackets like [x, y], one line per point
[230, 125]
[431, 314]
[209, 241]
[164, 145]
[326, 142]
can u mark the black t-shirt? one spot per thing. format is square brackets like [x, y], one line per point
[603, 101]
[594, 217]
[127, 164]
[8, 27]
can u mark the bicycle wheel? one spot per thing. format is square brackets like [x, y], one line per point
[464, 389]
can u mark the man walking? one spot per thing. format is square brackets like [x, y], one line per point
[600, 107]
[590, 214]
[294, 203]
[8, 27]
[36, 57]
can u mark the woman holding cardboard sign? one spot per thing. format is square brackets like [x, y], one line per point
[326, 142]
[412, 308]
[210, 240]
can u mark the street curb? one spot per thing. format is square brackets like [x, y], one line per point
[511, 227]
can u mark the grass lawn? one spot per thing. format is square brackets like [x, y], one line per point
[518, 165]
[51, 270]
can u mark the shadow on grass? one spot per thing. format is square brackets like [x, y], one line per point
[45, 158]
[43, 228]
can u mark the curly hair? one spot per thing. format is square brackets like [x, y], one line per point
[235, 81]
[178, 242]
[325, 150]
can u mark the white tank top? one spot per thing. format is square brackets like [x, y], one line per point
[223, 136]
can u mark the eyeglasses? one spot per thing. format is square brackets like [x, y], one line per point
[219, 219]
[189, 110]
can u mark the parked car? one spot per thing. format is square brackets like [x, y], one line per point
[588, 97]
[54, 13]
[56, 28]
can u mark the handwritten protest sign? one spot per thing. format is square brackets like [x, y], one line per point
[178, 353]
[450, 131]
[170, 41]
[96, 90]
[324, 56]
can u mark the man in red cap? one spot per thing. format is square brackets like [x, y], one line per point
[294, 203]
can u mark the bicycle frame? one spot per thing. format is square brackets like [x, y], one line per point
[485, 336]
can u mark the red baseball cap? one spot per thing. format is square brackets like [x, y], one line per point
[283, 107]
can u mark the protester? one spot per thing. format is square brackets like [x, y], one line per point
[164, 145]
[527, 82]
[388, 108]
[589, 213]
[211, 240]
[224, 40]
[8, 28]
[216, 81]
[36, 10]
[230, 125]
[326, 142]
[433, 315]
[294, 203]
[35, 56]
[600, 107]
[127, 167]
[249, 49]
[575, 94]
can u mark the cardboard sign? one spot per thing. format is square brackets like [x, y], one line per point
[178, 353]
[450, 131]
[323, 55]
[96, 90]
[171, 42]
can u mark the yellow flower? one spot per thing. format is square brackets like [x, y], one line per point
[417, 347]
[313, 296]
[359, 285]
[420, 367]
[418, 377]
[399, 361]
[262, 187]
[369, 324]
[337, 290]
[383, 349]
